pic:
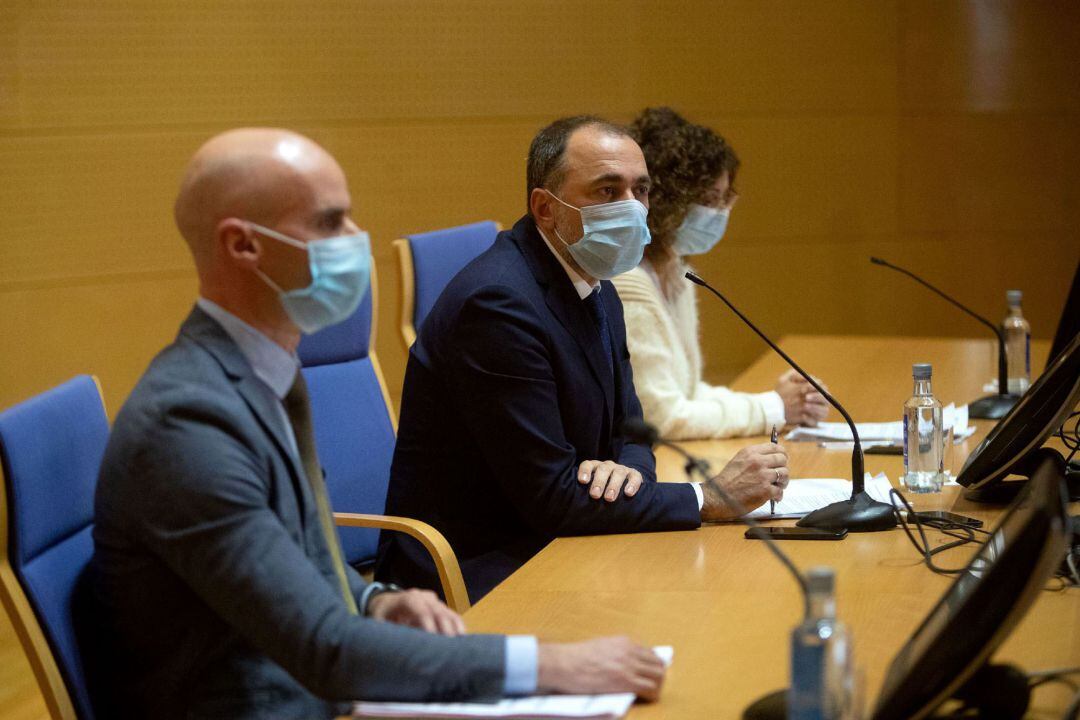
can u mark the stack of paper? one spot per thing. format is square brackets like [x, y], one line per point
[578, 707]
[953, 417]
[804, 496]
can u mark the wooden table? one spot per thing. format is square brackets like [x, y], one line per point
[725, 603]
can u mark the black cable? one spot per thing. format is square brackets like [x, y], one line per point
[1073, 711]
[963, 533]
[1070, 439]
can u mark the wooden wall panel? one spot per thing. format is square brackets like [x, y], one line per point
[758, 58]
[137, 63]
[988, 173]
[107, 327]
[938, 133]
[80, 206]
[812, 177]
[990, 56]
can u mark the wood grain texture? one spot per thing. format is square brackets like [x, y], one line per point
[726, 604]
[938, 134]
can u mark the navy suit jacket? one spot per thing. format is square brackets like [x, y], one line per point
[217, 587]
[506, 392]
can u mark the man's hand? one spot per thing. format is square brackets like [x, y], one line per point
[755, 475]
[606, 478]
[803, 405]
[416, 608]
[604, 665]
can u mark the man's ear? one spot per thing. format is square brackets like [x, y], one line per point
[237, 242]
[542, 207]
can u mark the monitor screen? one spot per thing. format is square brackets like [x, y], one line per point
[984, 603]
[1069, 325]
[1029, 424]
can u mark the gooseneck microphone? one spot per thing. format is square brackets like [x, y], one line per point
[638, 431]
[991, 407]
[860, 513]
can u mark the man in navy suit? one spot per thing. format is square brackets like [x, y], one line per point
[520, 378]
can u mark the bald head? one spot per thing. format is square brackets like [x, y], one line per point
[258, 174]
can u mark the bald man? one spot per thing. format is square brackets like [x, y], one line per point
[218, 568]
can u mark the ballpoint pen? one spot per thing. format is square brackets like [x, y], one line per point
[773, 438]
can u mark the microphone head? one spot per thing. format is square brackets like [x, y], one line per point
[635, 429]
[694, 278]
[877, 261]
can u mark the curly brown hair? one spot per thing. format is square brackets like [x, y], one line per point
[685, 160]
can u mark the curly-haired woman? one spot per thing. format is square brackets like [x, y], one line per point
[693, 174]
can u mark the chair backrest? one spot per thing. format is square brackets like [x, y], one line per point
[428, 261]
[50, 452]
[355, 428]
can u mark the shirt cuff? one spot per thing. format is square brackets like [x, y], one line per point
[700, 495]
[370, 591]
[522, 653]
[773, 405]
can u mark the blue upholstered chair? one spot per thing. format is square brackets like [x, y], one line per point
[355, 432]
[50, 451]
[428, 261]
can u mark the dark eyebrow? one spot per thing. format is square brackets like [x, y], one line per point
[616, 177]
[330, 215]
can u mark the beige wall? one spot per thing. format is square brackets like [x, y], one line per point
[941, 134]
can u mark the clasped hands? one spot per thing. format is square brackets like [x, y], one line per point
[757, 474]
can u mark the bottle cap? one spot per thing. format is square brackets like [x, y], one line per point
[820, 579]
[1014, 297]
[921, 371]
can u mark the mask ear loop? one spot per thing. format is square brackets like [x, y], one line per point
[280, 237]
[274, 234]
[556, 227]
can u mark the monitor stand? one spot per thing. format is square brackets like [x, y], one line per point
[994, 691]
[1003, 492]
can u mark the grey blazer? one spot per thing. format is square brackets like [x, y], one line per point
[213, 576]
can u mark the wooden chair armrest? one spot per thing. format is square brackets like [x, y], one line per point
[446, 563]
[407, 283]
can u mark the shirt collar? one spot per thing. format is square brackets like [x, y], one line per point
[272, 364]
[583, 288]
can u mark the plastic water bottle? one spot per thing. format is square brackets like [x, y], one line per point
[822, 672]
[1017, 344]
[924, 443]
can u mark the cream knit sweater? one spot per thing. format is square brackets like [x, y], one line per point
[663, 340]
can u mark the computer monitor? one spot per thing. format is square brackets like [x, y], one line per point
[1069, 324]
[1040, 412]
[985, 601]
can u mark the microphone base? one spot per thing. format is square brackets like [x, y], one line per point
[992, 407]
[769, 707]
[861, 513]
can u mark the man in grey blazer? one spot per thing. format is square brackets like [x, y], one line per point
[218, 569]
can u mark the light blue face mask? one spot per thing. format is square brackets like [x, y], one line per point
[615, 237]
[340, 275]
[701, 230]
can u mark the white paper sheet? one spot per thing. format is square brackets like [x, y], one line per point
[804, 496]
[951, 417]
[578, 707]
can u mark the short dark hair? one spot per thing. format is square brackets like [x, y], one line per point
[545, 167]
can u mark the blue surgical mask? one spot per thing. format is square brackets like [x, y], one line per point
[615, 237]
[701, 229]
[340, 275]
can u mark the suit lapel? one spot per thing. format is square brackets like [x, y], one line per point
[563, 301]
[205, 331]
